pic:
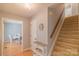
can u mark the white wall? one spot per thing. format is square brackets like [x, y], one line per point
[71, 9]
[75, 8]
[40, 18]
[68, 10]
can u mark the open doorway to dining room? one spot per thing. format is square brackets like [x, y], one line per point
[12, 38]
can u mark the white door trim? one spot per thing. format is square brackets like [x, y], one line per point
[12, 21]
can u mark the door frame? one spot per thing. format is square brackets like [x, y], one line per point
[12, 21]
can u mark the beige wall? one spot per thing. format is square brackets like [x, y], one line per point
[26, 28]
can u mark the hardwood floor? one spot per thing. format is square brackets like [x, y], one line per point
[15, 50]
[11, 49]
[25, 53]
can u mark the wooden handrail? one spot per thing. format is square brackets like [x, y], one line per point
[57, 23]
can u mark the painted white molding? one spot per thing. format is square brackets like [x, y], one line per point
[9, 20]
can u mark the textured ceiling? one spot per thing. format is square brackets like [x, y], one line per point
[22, 9]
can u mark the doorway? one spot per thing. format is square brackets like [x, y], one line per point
[12, 38]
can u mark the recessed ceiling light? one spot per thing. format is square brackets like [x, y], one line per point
[28, 5]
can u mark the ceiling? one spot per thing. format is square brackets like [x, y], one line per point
[22, 9]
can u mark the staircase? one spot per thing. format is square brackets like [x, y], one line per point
[67, 43]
